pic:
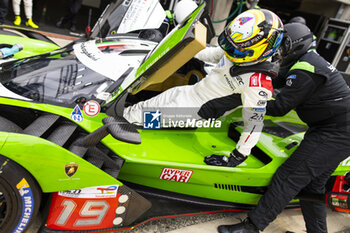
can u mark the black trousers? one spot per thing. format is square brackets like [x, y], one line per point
[307, 170]
[4, 4]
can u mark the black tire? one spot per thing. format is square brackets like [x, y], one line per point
[20, 197]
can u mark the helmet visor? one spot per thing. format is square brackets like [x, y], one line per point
[230, 47]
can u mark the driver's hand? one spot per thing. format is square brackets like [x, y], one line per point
[235, 159]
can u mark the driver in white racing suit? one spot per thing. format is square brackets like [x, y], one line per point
[237, 79]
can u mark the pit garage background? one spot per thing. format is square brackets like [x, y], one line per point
[328, 19]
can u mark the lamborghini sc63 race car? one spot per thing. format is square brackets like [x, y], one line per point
[66, 150]
[119, 17]
[32, 42]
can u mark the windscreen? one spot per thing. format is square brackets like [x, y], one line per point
[56, 81]
[129, 16]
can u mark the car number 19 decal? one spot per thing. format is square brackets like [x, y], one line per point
[96, 209]
[83, 209]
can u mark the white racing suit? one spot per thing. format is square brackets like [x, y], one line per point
[218, 88]
[28, 4]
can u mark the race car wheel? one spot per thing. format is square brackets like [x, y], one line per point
[19, 197]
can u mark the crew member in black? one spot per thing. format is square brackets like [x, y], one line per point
[321, 98]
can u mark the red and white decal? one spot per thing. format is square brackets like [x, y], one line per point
[266, 82]
[267, 52]
[106, 191]
[115, 46]
[178, 175]
[254, 80]
[261, 80]
[91, 108]
[76, 214]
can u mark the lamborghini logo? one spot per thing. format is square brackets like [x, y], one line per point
[70, 169]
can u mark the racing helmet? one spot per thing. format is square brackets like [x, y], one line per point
[184, 8]
[297, 19]
[297, 41]
[252, 37]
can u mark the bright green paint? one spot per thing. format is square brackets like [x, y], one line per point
[31, 47]
[46, 162]
[168, 44]
[186, 149]
[181, 149]
[302, 65]
[89, 123]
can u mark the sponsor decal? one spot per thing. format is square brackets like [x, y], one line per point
[267, 53]
[105, 191]
[261, 102]
[239, 80]
[290, 78]
[248, 43]
[297, 40]
[331, 67]
[177, 175]
[266, 82]
[257, 117]
[229, 82]
[70, 169]
[244, 20]
[258, 109]
[91, 108]
[254, 80]
[151, 119]
[339, 201]
[87, 53]
[27, 203]
[76, 114]
[263, 93]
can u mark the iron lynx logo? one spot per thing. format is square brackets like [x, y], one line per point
[151, 119]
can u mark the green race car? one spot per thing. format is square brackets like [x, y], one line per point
[65, 147]
[33, 42]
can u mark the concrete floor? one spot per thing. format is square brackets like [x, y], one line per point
[289, 220]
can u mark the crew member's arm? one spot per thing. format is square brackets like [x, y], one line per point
[280, 81]
[299, 85]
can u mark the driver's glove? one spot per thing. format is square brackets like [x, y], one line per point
[235, 159]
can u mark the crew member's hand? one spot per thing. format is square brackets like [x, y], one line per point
[235, 159]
